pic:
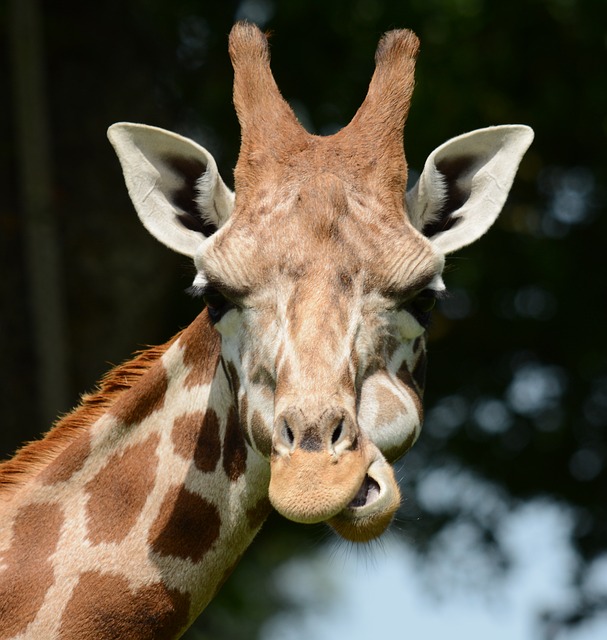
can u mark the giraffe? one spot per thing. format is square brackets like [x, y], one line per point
[296, 387]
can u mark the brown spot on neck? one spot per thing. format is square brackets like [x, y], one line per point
[233, 379]
[261, 435]
[243, 411]
[28, 573]
[143, 399]
[69, 461]
[234, 447]
[105, 606]
[196, 437]
[117, 494]
[201, 348]
[187, 526]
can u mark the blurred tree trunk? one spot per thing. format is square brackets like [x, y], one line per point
[42, 251]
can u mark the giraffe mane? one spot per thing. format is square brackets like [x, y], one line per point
[33, 457]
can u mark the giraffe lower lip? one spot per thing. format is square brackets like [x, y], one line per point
[367, 494]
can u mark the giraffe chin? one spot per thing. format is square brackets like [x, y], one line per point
[313, 486]
[359, 507]
[371, 511]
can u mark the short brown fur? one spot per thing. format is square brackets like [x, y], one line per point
[152, 611]
[28, 573]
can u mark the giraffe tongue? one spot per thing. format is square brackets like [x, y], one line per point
[368, 493]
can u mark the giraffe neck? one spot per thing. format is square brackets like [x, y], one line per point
[137, 522]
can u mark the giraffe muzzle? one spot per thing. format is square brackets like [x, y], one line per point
[326, 469]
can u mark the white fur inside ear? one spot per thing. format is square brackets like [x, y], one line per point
[161, 170]
[433, 202]
[465, 183]
[213, 198]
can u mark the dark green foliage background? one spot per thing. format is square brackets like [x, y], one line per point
[529, 297]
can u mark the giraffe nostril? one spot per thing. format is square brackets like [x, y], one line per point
[287, 434]
[332, 431]
[337, 433]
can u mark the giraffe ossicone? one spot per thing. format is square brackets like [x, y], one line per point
[297, 386]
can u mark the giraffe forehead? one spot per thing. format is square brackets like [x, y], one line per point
[324, 227]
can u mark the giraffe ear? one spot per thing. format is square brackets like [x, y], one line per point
[465, 183]
[173, 183]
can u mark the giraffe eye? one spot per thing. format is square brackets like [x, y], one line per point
[216, 303]
[425, 301]
[420, 307]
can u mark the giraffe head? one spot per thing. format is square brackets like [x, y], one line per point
[320, 272]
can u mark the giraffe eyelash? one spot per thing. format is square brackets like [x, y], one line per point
[196, 290]
[198, 287]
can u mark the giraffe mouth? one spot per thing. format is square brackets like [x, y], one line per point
[371, 510]
[368, 493]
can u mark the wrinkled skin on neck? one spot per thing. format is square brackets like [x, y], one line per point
[325, 356]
